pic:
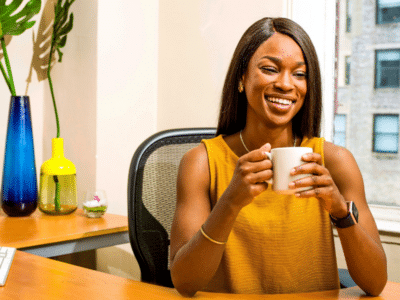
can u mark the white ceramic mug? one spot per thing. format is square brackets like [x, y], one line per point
[283, 161]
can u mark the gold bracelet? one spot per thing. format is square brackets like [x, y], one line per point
[210, 239]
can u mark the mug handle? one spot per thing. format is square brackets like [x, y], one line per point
[270, 158]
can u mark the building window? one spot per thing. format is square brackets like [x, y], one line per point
[348, 15]
[386, 133]
[339, 135]
[387, 11]
[387, 68]
[347, 61]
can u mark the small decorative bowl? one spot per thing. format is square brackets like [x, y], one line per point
[96, 204]
[94, 212]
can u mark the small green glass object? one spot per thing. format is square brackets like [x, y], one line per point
[57, 194]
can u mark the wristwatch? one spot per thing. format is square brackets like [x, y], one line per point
[350, 220]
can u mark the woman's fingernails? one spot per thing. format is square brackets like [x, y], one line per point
[291, 185]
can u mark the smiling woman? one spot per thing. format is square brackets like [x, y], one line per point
[275, 83]
[231, 232]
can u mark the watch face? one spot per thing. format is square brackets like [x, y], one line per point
[353, 210]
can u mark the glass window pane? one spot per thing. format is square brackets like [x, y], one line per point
[386, 124]
[348, 15]
[340, 123]
[340, 139]
[347, 69]
[388, 55]
[389, 3]
[386, 143]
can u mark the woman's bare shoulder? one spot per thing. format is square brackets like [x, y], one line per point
[336, 155]
[194, 171]
[343, 168]
[195, 157]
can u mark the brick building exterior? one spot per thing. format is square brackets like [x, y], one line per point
[368, 95]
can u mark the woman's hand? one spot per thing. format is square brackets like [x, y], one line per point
[249, 178]
[322, 183]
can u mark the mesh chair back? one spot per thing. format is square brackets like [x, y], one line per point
[152, 197]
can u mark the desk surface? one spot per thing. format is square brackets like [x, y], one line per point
[34, 277]
[39, 230]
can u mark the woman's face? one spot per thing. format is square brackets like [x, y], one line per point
[275, 82]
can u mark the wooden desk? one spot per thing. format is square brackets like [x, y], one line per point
[49, 236]
[34, 277]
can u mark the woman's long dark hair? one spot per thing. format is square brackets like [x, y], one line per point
[232, 117]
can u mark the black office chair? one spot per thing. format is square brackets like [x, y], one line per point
[152, 196]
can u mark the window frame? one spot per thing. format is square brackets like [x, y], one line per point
[374, 133]
[376, 68]
[377, 9]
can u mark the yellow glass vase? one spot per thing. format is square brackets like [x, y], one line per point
[57, 195]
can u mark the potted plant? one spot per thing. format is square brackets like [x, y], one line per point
[19, 183]
[57, 194]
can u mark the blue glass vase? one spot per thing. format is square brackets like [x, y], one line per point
[19, 185]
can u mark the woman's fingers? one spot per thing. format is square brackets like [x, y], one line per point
[255, 171]
[320, 181]
[312, 180]
[251, 173]
[312, 165]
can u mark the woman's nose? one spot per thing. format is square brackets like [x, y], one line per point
[284, 81]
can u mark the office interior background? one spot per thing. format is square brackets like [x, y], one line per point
[135, 67]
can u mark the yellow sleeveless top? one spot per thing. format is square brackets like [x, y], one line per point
[279, 243]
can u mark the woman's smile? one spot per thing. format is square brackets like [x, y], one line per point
[279, 104]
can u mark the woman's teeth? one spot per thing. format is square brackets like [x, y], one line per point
[280, 101]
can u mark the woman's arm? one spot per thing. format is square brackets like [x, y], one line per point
[365, 257]
[194, 258]
[339, 182]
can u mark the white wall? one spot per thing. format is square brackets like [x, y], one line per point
[197, 39]
[127, 62]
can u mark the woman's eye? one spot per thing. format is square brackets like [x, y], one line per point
[300, 74]
[269, 69]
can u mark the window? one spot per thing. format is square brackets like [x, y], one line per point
[386, 133]
[348, 15]
[387, 68]
[347, 61]
[387, 11]
[339, 137]
[370, 104]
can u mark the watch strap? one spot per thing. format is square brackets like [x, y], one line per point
[351, 218]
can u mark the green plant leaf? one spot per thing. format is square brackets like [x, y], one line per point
[15, 23]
